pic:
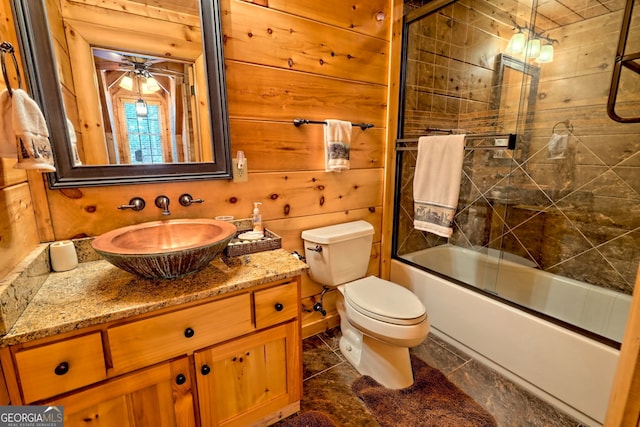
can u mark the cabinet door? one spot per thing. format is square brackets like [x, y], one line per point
[160, 396]
[248, 380]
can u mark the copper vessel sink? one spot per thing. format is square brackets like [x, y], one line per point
[165, 249]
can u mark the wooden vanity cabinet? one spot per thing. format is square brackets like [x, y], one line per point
[249, 379]
[231, 361]
[159, 396]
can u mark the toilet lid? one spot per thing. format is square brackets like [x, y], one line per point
[384, 301]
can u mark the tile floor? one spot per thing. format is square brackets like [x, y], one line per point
[328, 377]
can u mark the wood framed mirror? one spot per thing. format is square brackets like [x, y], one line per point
[77, 52]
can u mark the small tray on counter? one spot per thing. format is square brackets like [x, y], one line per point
[242, 247]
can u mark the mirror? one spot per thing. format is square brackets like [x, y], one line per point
[89, 65]
[149, 111]
[515, 93]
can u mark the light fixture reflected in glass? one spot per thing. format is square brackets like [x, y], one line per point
[126, 82]
[533, 48]
[517, 43]
[546, 54]
[141, 108]
[530, 43]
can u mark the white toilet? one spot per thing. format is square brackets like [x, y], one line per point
[380, 320]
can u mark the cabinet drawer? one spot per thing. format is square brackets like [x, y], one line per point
[59, 367]
[159, 338]
[277, 304]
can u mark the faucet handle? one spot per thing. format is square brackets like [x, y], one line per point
[136, 204]
[187, 200]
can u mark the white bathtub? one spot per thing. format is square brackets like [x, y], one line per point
[567, 369]
[601, 311]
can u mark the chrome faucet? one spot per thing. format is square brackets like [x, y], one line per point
[163, 203]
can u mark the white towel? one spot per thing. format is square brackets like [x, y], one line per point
[436, 184]
[24, 132]
[337, 144]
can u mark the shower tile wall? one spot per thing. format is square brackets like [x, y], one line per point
[577, 216]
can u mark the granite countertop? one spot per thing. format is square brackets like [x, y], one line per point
[97, 292]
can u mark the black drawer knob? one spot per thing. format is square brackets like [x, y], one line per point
[181, 379]
[62, 368]
[189, 332]
[279, 306]
[205, 370]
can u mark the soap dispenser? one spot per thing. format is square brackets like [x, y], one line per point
[257, 218]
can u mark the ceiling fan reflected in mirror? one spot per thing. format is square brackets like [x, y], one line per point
[138, 72]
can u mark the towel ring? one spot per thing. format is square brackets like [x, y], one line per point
[567, 124]
[6, 47]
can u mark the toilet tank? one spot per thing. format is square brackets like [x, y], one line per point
[338, 253]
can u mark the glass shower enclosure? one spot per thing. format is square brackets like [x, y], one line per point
[552, 225]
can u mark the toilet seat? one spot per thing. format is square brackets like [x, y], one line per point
[384, 301]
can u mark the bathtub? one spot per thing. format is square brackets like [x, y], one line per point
[601, 311]
[567, 369]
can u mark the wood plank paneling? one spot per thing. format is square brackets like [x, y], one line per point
[273, 146]
[118, 29]
[266, 93]
[369, 17]
[10, 175]
[18, 228]
[180, 12]
[92, 211]
[258, 35]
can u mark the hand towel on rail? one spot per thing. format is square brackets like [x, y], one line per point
[337, 144]
[24, 132]
[436, 184]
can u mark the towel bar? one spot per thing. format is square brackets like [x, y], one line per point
[511, 145]
[298, 122]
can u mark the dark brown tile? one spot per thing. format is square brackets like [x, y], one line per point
[331, 337]
[439, 355]
[317, 356]
[327, 387]
[511, 405]
[331, 392]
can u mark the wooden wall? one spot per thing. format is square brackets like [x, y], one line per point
[307, 59]
[18, 228]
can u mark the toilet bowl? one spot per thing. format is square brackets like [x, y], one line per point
[379, 319]
[376, 338]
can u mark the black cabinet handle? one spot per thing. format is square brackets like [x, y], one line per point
[62, 368]
[189, 332]
[205, 370]
[181, 379]
[279, 306]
